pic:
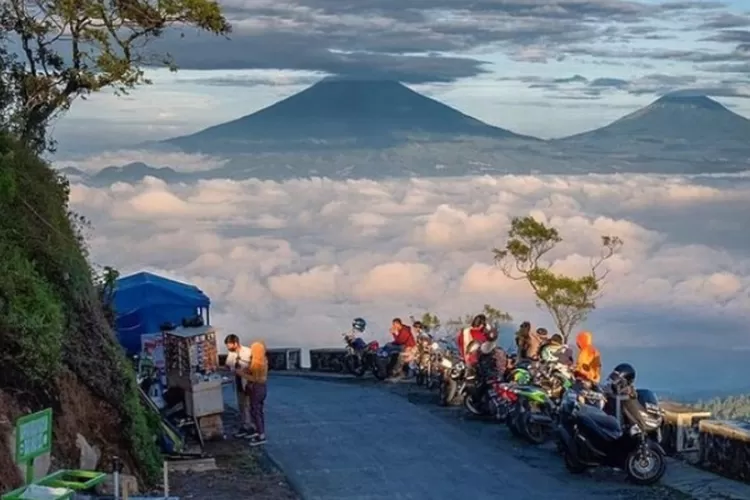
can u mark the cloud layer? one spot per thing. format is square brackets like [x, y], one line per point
[293, 262]
[449, 39]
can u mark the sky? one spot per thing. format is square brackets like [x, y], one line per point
[294, 262]
[547, 68]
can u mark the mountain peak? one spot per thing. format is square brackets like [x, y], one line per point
[678, 118]
[689, 98]
[342, 112]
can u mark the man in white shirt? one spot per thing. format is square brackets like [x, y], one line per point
[238, 359]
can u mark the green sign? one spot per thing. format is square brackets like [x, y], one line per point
[33, 435]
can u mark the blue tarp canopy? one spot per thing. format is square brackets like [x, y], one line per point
[144, 301]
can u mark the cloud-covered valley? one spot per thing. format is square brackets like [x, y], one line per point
[293, 262]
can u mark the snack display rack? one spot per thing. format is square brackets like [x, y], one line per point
[192, 362]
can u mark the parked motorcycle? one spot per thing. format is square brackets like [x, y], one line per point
[387, 361]
[424, 358]
[452, 380]
[589, 437]
[360, 356]
[533, 414]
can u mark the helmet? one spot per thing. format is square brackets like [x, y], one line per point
[621, 378]
[359, 324]
[624, 371]
[479, 321]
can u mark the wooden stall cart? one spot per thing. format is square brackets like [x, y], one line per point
[192, 365]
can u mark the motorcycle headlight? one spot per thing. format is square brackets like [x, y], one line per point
[435, 346]
[446, 363]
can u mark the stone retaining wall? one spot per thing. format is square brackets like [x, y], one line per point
[327, 360]
[725, 448]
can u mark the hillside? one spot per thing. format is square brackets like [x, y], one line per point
[341, 113]
[57, 348]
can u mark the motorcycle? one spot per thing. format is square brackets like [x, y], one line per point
[386, 361]
[589, 437]
[533, 414]
[360, 356]
[453, 379]
[424, 358]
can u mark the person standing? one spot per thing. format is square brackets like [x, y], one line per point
[257, 389]
[238, 361]
[589, 362]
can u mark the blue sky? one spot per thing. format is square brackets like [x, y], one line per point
[504, 62]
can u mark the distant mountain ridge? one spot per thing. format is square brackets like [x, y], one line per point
[675, 117]
[345, 129]
[342, 113]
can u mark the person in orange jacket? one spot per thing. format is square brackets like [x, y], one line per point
[589, 362]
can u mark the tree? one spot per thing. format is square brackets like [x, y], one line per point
[71, 48]
[569, 300]
[493, 314]
[106, 283]
[430, 322]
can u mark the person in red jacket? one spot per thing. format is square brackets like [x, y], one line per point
[403, 339]
[476, 332]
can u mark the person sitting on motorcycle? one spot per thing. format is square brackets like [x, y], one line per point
[535, 342]
[493, 360]
[476, 332]
[403, 342]
[522, 339]
[589, 362]
[555, 351]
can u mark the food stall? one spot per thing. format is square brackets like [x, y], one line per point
[191, 361]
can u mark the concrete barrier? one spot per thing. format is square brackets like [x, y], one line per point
[327, 360]
[681, 429]
[725, 448]
[285, 358]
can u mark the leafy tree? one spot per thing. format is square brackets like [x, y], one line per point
[429, 321]
[71, 48]
[568, 299]
[106, 282]
[494, 315]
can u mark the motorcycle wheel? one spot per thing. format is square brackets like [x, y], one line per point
[534, 432]
[471, 406]
[512, 422]
[380, 368]
[573, 465]
[354, 366]
[448, 390]
[645, 465]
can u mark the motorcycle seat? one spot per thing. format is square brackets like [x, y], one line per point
[596, 419]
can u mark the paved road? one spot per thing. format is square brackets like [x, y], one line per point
[340, 441]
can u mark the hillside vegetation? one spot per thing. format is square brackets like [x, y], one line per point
[729, 408]
[56, 347]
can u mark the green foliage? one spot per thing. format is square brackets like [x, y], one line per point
[568, 299]
[50, 311]
[67, 49]
[105, 283]
[730, 408]
[494, 315]
[32, 315]
[430, 321]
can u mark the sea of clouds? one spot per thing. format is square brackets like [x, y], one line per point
[294, 262]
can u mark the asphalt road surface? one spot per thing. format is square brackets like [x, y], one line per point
[349, 441]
